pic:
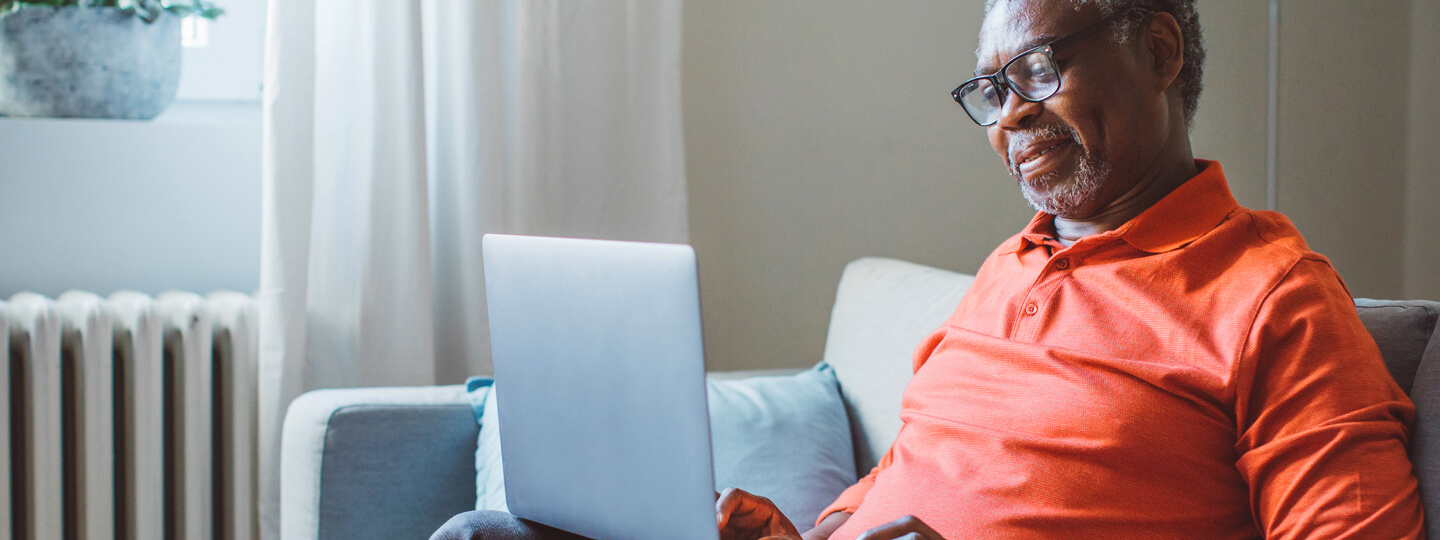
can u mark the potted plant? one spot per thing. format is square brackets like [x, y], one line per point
[92, 58]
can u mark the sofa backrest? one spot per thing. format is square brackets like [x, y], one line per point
[884, 307]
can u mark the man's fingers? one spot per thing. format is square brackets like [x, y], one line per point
[743, 516]
[906, 528]
[725, 504]
[732, 502]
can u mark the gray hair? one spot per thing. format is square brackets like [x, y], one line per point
[1189, 21]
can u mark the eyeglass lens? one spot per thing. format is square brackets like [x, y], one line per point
[1034, 76]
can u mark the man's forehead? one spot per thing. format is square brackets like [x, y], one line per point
[1014, 26]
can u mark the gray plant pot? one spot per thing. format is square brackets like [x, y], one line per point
[83, 62]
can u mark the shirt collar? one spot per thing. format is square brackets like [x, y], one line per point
[1181, 217]
[1040, 231]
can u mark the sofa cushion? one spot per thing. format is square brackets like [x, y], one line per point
[1405, 332]
[1402, 329]
[883, 308]
[785, 437]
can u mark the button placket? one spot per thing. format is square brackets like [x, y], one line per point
[1052, 277]
[1053, 273]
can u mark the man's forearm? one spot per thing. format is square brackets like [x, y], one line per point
[827, 526]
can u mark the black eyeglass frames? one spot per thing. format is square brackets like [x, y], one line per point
[1033, 75]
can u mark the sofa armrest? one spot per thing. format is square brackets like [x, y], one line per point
[376, 462]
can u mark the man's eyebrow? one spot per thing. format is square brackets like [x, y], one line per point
[1037, 41]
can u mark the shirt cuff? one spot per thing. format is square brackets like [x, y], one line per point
[849, 500]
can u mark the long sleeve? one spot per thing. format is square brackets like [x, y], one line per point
[1323, 427]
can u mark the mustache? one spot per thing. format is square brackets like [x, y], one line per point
[1022, 138]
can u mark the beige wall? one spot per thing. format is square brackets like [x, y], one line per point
[819, 131]
[1422, 213]
[1230, 125]
[1342, 141]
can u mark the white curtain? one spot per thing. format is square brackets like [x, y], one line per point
[397, 133]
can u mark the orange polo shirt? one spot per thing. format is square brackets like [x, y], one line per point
[1196, 373]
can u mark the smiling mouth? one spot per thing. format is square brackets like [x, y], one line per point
[1043, 152]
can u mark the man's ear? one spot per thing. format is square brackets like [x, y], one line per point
[1165, 42]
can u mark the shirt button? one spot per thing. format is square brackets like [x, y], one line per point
[1031, 309]
[1062, 264]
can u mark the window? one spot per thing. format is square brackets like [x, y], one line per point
[223, 59]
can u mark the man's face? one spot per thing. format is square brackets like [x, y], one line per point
[1088, 144]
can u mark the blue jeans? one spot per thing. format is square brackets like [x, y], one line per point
[493, 525]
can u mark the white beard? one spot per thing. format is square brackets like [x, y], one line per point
[1063, 196]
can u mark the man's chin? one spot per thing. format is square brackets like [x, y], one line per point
[1069, 194]
[1061, 200]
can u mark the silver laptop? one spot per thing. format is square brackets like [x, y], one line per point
[600, 377]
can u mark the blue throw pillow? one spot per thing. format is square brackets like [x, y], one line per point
[489, 477]
[782, 437]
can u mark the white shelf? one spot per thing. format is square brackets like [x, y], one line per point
[180, 113]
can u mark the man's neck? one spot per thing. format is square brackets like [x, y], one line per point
[1154, 184]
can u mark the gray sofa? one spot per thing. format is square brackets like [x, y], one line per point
[398, 462]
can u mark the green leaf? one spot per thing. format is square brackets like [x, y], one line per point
[149, 11]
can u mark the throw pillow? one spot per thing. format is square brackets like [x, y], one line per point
[782, 437]
[489, 477]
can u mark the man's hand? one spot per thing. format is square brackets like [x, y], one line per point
[743, 516]
[906, 528]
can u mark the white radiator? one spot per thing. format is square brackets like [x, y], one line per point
[128, 418]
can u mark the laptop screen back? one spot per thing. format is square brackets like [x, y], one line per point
[600, 377]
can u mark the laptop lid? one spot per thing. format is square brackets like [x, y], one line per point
[600, 382]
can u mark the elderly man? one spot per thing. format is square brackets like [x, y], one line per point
[1146, 359]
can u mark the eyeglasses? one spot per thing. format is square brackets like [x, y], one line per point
[1033, 75]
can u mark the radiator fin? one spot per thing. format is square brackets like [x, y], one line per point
[38, 471]
[7, 523]
[189, 377]
[140, 457]
[237, 368]
[87, 358]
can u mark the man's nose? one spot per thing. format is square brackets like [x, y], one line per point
[1015, 111]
